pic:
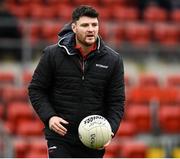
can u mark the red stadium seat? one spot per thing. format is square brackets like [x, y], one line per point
[25, 2]
[21, 11]
[148, 80]
[36, 11]
[112, 150]
[104, 31]
[166, 34]
[125, 14]
[173, 80]
[63, 12]
[49, 12]
[104, 13]
[169, 117]
[155, 14]
[7, 77]
[50, 31]
[108, 155]
[133, 149]
[10, 1]
[138, 33]
[47, 30]
[127, 129]
[169, 95]
[32, 154]
[119, 34]
[34, 32]
[13, 93]
[144, 95]
[140, 115]
[37, 148]
[37, 1]
[29, 128]
[20, 147]
[111, 3]
[175, 15]
[2, 111]
[18, 111]
[57, 2]
[9, 127]
[164, 95]
[87, 2]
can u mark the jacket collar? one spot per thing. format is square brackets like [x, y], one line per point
[68, 43]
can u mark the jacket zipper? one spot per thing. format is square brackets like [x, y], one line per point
[83, 63]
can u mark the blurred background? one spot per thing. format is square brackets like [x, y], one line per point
[145, 32]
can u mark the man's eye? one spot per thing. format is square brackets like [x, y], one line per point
[94, 25]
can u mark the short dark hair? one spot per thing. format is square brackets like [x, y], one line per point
[84, 10]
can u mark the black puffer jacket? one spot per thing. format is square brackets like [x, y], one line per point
[62, 86]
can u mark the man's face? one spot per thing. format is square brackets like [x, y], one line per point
[86, 30]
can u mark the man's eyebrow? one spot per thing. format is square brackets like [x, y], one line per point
[84, 23]
[89, 23]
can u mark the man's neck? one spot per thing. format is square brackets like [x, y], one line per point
[85, 50]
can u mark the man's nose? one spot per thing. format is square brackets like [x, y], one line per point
[90, 28]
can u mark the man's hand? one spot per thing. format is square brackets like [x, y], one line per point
[112, 134]
[55, 124]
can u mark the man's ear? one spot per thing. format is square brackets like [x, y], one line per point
[73, 26]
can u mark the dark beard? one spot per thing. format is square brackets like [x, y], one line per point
[84, 43]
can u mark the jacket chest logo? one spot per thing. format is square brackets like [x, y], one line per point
[102, 66]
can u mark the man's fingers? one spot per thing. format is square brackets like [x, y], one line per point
[59, 126]
[58, 130]
[63, 121]
[56, 124]
[112, 134]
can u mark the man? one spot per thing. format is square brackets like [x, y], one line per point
[77, 77]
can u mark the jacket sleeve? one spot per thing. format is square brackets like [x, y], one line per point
[115, 98]
[41, 85]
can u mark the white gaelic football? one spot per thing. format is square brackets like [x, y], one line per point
[94, 131]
